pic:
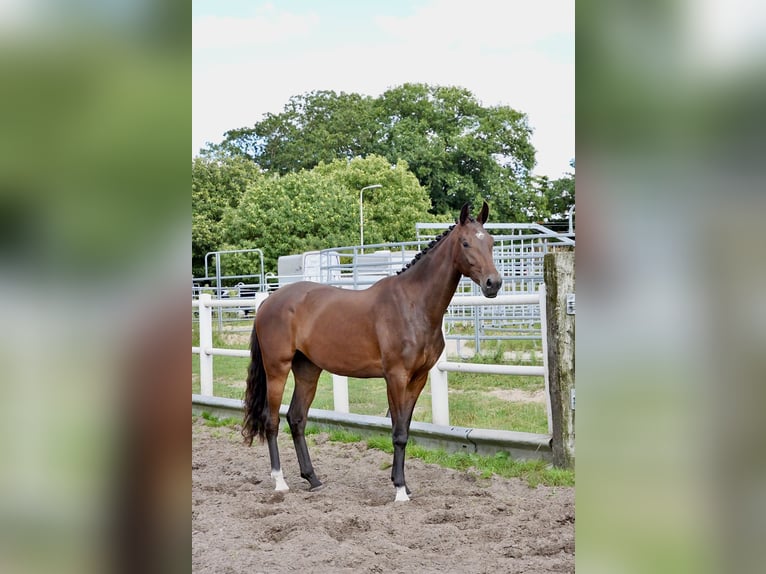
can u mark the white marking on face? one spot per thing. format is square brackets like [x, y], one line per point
[480, 235]
[280, 480]
[401, 494]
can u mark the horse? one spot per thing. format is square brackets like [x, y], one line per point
[393, 330]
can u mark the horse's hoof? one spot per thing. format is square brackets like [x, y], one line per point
[314, 482]
[279, 479]
[401, 494]
[315, 487]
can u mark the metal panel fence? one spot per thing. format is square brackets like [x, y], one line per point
[518, 254]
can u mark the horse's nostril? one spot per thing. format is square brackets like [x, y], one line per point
[493, 284]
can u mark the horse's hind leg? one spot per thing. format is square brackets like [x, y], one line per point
[276, 390]
[306, 377]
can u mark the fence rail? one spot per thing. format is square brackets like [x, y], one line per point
[438, 374]
[557, 327]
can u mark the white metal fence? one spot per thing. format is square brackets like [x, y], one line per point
[518, 255]
[438, 374]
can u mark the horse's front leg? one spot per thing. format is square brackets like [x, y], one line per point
[401, 400]
[400, 435]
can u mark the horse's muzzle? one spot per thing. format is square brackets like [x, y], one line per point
[491, 285]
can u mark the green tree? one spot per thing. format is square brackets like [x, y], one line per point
[458, 149]
[316, 127]
[319, 208]
[218, 184]
[560, 196]
[391, 211]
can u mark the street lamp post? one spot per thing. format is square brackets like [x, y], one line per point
[361, 212]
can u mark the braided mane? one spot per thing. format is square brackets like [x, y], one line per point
[425, 249]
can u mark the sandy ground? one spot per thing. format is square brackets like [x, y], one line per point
[456, 521]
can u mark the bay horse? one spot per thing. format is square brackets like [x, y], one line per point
[392, 330]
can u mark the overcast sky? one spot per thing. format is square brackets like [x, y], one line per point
[251, 56]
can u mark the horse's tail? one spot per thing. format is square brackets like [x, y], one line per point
[256, 401]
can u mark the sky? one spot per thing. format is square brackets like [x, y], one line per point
[251, 56]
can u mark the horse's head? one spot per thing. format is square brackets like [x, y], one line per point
[473, 251]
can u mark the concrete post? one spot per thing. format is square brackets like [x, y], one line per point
[439, 393]
[205, 344]
[340, 393]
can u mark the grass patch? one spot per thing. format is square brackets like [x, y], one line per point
[461, 381]
[213, 421]
[535, 472]
[381, 443]
[475, 410]
[344, 436]
[309, 430]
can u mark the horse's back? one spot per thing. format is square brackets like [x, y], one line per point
[334, 328]
[296, 295]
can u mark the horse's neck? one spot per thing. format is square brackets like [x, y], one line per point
[432, 280]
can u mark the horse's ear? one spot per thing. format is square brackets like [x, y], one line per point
[484, 215]
[464, 214]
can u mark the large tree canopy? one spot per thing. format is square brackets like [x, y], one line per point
[319, 208]
[458, 149]
[317, 127]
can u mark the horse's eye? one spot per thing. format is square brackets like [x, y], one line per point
[465, 244]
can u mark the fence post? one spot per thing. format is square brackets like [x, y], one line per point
[205, 343]
[439, 392]
[559, 274]
[340, 393]
[544, 337]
